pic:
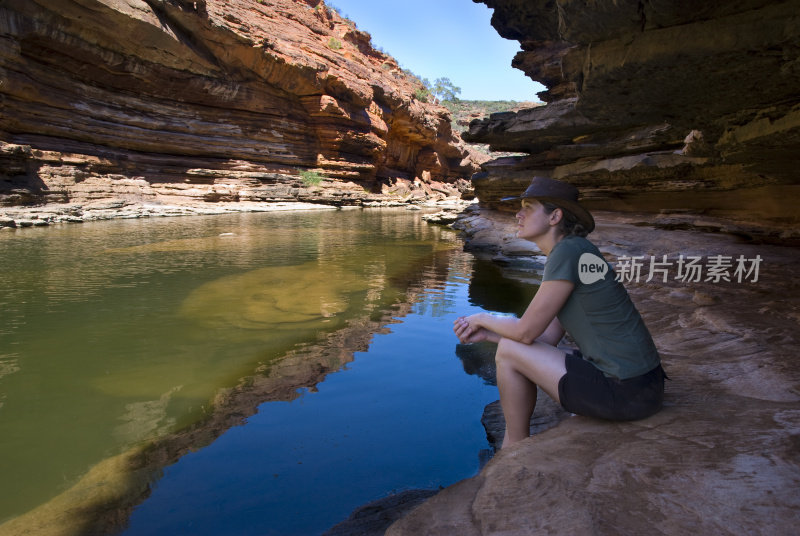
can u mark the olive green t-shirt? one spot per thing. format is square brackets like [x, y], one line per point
[599, 315]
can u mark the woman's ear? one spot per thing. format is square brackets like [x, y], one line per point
[556, 216]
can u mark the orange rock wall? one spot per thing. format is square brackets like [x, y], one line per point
[213, 91]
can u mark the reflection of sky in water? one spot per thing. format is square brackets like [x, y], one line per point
[118, 332]
[403, 415]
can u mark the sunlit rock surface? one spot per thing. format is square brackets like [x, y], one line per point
[672, 99]
[211, 101]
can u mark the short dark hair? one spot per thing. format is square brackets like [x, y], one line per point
[569, 224]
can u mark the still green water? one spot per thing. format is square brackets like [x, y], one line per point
[119, 334]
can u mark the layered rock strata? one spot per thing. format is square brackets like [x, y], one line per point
[668, 98]
[175, 101]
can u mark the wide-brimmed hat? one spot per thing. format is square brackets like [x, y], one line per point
[559, 193]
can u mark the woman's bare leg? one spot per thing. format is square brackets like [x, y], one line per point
[520, 368]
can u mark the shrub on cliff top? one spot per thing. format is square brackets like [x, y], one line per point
[421, 94]
[334, 43]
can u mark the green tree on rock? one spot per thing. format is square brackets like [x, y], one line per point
[444, 89]
[441, 90]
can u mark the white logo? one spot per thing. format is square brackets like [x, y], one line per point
[591, 268]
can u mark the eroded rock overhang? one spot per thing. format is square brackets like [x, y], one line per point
[667, 98]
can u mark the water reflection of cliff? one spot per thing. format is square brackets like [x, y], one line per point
[491, 288]
[388, 287]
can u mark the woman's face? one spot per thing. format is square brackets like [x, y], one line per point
[533, 222]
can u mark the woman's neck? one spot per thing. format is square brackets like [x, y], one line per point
[547, 242]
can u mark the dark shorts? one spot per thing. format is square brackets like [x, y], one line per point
[585, 390]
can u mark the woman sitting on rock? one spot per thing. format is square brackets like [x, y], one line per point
[616, 372]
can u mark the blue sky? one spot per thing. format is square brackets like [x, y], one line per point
[444, 38]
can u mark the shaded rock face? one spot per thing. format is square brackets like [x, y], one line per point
[666, 96]
[212, 100]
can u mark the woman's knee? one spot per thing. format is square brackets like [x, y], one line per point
[541, 363]
[504, 355]
[511, 354]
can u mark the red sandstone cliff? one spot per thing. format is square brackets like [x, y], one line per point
[215, 100]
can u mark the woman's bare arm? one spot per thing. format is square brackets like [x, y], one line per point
[548, 301]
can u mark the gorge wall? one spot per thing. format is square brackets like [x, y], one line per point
[663, 105]
[170, 101]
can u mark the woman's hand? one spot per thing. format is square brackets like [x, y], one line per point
[468, 330]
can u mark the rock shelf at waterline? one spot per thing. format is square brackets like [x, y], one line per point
[20, 217]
